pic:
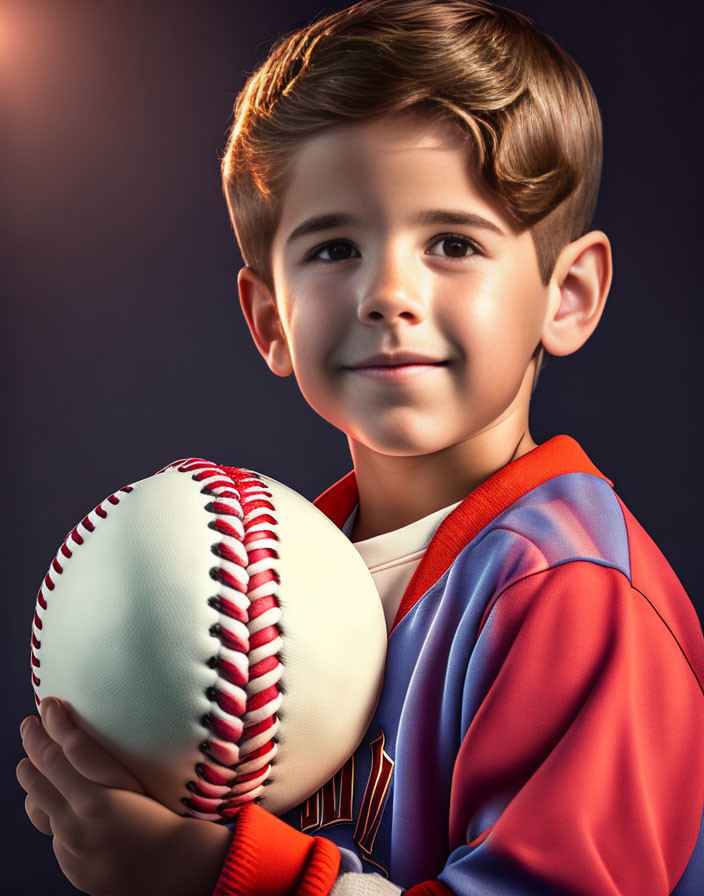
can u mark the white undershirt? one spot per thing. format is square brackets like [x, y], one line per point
[392, 557]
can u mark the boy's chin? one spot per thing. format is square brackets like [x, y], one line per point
[399, 444]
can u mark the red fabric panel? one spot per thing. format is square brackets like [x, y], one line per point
[269, 856]
[598, 769]
[653, 576]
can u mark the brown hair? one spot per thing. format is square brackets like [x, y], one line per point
[525, 104]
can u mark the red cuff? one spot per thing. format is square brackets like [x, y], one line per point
[429, 888]
[269, 856]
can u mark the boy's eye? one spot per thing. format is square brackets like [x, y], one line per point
[456, 248]
[332, 249]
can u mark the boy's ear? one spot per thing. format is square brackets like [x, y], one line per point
[262, 316]
[577, 293]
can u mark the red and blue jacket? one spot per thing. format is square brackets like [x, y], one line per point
[541, 725]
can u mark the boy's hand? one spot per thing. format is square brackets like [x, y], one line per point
[109, 837]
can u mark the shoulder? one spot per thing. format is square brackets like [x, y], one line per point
[575, 516]
[554, 539]
[571, 517]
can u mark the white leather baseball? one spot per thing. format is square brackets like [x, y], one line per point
[218, 634]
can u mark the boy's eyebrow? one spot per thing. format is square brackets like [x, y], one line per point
[427, 216]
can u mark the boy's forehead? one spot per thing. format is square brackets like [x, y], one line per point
[359, 161]
[404, 132]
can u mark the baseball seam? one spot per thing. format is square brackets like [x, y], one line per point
[245, 742]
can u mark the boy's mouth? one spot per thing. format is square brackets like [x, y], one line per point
[397, 359]
[395, 366]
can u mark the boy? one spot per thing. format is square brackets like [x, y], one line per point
[411, 183]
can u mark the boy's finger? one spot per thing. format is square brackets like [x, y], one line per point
[84, 753]
[44, 796]
[53, 815]
[48, 759]
[38, 817]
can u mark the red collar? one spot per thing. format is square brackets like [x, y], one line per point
[557, 456]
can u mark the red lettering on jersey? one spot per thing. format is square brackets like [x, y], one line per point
[346, 790]
[333, 803]
[310, 813]
[375, 795]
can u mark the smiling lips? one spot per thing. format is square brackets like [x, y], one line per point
[398, 365]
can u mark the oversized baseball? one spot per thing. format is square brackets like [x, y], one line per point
[216, 633]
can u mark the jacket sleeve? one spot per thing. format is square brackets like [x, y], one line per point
[578, 770]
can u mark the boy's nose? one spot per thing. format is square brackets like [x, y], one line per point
[392, 298]
[389, 308]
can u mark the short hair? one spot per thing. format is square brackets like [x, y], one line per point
[526, 106]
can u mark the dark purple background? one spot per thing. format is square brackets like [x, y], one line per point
[123, 341]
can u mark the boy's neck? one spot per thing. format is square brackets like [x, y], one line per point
[396, 491]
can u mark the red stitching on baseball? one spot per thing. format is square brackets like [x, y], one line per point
[261, 542]
[223, 605]
[257, 535]
[231, 672]
[263, 604]
[56, 569]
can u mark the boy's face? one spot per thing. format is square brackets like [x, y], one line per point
[466, 296]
